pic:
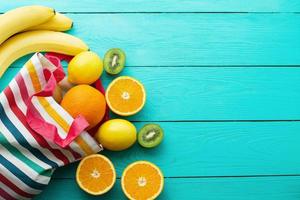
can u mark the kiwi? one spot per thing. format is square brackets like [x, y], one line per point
[150, 135]
[114, 61]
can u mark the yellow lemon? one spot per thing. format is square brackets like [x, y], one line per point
[116, 134]
[85, 68]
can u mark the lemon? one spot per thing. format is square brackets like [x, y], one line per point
[116, 134]
[85, 68]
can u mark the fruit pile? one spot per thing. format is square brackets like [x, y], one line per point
[125, 96]
[32, 29]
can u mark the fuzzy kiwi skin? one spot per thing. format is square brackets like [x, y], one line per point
[108, 60]
[146, 129]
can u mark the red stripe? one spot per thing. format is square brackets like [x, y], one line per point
[25, 96]
[5, 195]
[12, 186]
[23, 90]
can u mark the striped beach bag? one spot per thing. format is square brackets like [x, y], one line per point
[36, 134]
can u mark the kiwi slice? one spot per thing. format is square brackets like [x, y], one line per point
[114, 61]
[150, 135]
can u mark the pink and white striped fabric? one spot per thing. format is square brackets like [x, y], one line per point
[36, 134]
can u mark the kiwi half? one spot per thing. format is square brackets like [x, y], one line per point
[114, 61]
[150, 135]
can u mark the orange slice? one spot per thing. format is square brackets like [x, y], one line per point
[125, 96]
[95, 174]
[142, 180]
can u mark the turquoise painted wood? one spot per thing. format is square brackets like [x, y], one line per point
[265, 188]
[207, 73]
[214, 93]
[216, 149]
[194, 39]
[162, 5]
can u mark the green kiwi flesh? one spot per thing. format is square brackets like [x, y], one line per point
[114, 61]
[150, 135]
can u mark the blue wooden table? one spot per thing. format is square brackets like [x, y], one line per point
[223, 80]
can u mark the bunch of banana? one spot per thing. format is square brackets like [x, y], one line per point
[32, 29]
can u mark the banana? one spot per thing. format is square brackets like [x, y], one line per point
[38, 41]
[19, 19]
[58, 22]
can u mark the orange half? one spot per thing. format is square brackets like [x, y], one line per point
[125, 96]
[142, 180]
[95, 174]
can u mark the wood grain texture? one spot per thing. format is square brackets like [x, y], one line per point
[203, 68]
[194, 39]
[205, 93]
[216, 149]
[162, 5]
[266, 188]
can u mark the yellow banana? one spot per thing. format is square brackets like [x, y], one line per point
[58, 22]
[19, 19]
[38, 41]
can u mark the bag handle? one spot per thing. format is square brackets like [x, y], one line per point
[54, 74]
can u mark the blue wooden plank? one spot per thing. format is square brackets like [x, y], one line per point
[216, 149]
[266, 188]
[194, 39]
[162, 5]
[213, 93]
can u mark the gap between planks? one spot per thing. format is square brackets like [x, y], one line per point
[203, 66]
[195, 12]
[213, 177]
[221, 121]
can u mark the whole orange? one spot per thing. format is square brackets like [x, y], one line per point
[86, 101]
